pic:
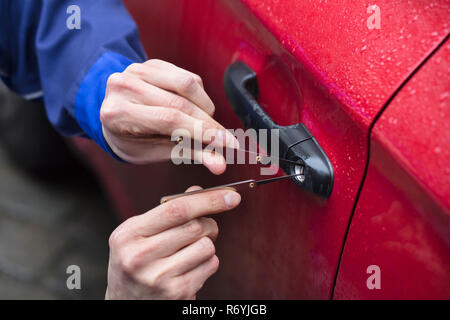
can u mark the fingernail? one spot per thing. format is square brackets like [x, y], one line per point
[232, 199]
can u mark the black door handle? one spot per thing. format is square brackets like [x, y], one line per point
[295, 142]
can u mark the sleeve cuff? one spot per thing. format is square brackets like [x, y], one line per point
[91, 93]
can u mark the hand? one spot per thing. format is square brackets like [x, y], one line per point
[144, 104]
[168, 252]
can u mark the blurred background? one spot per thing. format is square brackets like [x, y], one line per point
[52, 212]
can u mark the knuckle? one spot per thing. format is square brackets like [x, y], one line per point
[132, 258]
[216, 201]
[178, 102]
[134, 68]
[214, 227]
[194, 227]
[129, 263]
[119, 236]
[146, 249]
[109, 112]
[198, 78]
[116, 81]
[176, 211]
[115, 116]
[152, 245]
[212, 109]
[151, 280]
[207, 246]
[114, 240]
[153, 62]
[170, 117]
[129, 130]
[215, 263]
[187, 84]
[155, 280]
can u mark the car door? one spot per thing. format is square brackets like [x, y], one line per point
[317, 64]
[398, 245]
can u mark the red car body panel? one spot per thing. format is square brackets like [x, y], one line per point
[402, 221]
[316, 64]
[361, 67]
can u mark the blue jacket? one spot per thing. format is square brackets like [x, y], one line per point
[45, 54]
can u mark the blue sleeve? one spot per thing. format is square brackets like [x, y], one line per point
[71, 64]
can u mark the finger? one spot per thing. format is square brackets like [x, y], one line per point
[196, 278]
[179, 81]
[142, 121]
[214, 162]
[172, 240]
[143, 150]
[193, 188]
[189, 257]
[164, 64]
[156, 150]
[181, 210]
[144, 92]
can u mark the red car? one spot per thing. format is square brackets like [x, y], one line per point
[369, 86]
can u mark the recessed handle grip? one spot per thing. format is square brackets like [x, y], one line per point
[295, 142]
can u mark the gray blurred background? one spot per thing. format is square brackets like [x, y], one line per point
[52, 212]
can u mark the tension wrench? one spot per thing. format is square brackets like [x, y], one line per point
[235, 186]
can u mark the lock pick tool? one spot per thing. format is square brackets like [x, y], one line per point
[245, 184]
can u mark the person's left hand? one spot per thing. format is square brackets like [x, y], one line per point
[168, 252]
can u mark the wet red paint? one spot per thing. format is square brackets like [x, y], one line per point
[402, 222]
[362, 67]
[317, 64]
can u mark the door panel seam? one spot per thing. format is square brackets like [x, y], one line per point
[369, 134]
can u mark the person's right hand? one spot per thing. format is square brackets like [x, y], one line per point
[144, 104]
[168, 252]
